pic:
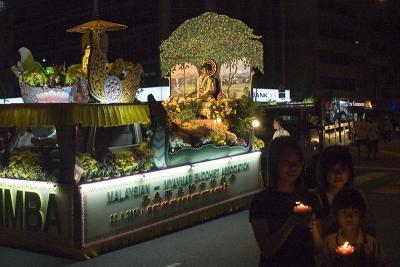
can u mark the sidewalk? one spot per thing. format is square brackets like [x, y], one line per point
[388, 157]
[380, 179]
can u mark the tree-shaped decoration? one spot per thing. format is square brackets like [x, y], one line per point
[211, 36]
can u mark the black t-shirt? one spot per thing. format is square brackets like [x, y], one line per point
[276, 207]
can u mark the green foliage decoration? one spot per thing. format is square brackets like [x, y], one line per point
[29, 71]
[210, 35]
[309, 100]
[89, 165]
[119, 66]
[25, 165]
[258, 144]
[74, 74]
[35, 78]
[146, 159]
[241, 121]
[125, 162]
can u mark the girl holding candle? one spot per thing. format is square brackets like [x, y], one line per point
[350, 246]
[286, 236]
[335, 172]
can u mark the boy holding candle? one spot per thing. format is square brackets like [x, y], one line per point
[350, 245]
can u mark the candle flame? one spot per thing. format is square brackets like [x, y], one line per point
[346, 244]
[299, 204]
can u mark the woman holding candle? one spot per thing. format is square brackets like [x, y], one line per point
[350, 246]
[335, 172]
[288, 234]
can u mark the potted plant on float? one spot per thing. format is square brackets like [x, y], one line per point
[145, 157]
[105, 171]
[25, 165]
[125, 162]
[90, 167]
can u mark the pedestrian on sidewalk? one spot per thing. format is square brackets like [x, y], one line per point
[361, 135]
[335, 172]
[349, 207]
[285, 238]
[387, 129]
[279, 128]
[372, 132]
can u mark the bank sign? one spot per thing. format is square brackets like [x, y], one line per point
[42, 210]
[125, 204]
[268, 95]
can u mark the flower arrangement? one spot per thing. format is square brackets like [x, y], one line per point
[258, 144]
[25, 165]
[221, 136]
[241, 121]
[119, 68]
[177, 143]
[31, 72]
[125, 162]
[309, 100]
[181, 109]
[219, 108]
[145, 156]
[89, 165]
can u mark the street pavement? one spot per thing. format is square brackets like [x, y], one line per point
[228, 241]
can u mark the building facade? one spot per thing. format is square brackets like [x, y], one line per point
[312, 47]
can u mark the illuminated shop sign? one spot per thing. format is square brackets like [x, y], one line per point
[124, 204]
[268, 95]
[356, 104]
[32, 206]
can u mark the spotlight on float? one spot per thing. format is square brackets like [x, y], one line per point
[218, 120]
[255, 123]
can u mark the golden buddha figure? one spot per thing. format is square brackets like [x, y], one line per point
[205, 85]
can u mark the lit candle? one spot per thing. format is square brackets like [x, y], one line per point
[345, 249]
[300, 208]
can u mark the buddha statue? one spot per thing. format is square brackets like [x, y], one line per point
[205, 85]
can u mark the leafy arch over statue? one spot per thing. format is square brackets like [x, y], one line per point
[225, 40]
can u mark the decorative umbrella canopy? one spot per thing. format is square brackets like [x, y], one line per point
[211, 36]
[97, 25]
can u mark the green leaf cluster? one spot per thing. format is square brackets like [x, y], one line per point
[74, 74]
[125, 162]
[146, 161]
[309, 100]
[258, 144]
[89, 165]
[223, 39]
[119, 66]
[32, 73]
[25, 165]
[241, 122]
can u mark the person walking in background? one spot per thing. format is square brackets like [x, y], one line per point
[361, 135]
[372, 132]
[335, 172]
[285, 238]
[349, 207]
[279, 129]
[387, 129]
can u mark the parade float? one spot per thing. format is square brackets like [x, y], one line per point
[90, 171]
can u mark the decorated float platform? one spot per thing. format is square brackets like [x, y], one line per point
[84, 170]
[82, 218]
